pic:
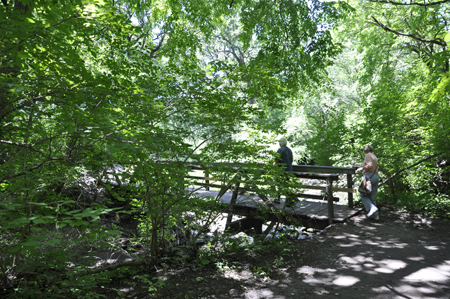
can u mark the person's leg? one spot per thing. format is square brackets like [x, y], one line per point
[369, 205]
[375, 215]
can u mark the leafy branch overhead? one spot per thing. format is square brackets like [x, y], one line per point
[438, 41]
[424, 4]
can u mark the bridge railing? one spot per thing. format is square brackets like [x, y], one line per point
[347, 171]
[328, 174]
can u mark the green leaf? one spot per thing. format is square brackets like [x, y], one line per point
[52, 242]
[447, 37]
[113, 232]
[40, 220]
[30, 243]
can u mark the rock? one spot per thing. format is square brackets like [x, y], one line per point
[245, 239]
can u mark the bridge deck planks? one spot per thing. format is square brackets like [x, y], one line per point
[317, 210]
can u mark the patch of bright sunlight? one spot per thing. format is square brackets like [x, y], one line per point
[346, 281]
[440, 273]
[432, 247]
[389, 266]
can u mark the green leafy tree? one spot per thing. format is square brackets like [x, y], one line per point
[401, 57]
[85, 85]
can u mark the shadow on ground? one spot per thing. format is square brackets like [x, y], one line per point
[401, 256]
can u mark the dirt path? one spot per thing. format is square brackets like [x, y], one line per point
[401, 256]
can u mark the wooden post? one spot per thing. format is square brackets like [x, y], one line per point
[350, 194]
[233, 200]
[207, 176]
[330, 200]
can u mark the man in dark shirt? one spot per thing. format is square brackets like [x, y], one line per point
[286, 157]
[285, 161]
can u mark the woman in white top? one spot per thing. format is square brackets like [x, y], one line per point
[370, 161]
[370, 168]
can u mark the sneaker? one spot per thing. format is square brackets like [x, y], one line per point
[372, 211]
[376, 217]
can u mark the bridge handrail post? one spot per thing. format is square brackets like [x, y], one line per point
[237, 180]
[330, 200]
[350, 186]
[207, 176]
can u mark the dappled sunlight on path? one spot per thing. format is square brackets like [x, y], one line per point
[393, 258]
[380, 260]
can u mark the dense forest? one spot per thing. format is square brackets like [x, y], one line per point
[89, 87]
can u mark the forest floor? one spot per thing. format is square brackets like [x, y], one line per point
[401, 256]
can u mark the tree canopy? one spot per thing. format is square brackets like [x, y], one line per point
[89, 85]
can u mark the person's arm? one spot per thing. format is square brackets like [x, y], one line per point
[367, 166]
[364, 164]
[277, 158]
[368, 184]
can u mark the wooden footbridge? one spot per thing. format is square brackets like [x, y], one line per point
[311, 210]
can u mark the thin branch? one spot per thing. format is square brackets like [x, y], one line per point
[233, 52]
[439, 42]
[28, 170]
[22, 145]
[153, 51]
[62, 21]
[95, 107]
[411, 166]
[410, 3]
[201, 143]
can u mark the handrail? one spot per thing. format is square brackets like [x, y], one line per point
[318, 176]
[295, 168]
[323, 169]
